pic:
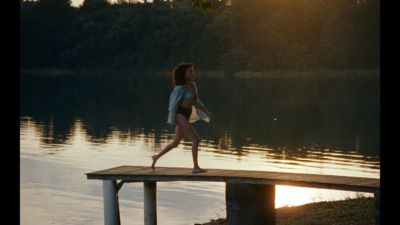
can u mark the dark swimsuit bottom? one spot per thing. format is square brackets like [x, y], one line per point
[188, 95]
[184, 111]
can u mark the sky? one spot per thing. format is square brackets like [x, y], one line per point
[76, 2]
[79, 2]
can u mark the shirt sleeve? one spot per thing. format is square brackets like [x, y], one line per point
[174, 99]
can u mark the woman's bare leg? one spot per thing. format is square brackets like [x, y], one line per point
[189, 131]
[178, 137]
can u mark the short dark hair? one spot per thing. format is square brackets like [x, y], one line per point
[178, 74]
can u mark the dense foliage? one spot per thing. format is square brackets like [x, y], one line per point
[252, 35]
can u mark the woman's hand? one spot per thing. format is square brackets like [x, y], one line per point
[211, 115]
[203, 109]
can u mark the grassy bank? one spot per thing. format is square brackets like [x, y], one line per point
[358, 211]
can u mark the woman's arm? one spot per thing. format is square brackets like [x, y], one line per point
[204, 109]
[199, 104]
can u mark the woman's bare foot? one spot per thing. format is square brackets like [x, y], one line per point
[199, 170]
[154, 161]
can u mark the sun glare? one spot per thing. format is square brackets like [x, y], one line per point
[77, 3]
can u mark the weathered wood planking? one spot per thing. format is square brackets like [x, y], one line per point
[143, 173]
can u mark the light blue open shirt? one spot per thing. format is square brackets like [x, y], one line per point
[175, 99]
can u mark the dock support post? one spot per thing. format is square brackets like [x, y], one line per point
[150, 203]
[250, 204]
[377, 206]
[111, 206]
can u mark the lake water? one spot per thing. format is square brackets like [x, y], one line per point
[74, 124]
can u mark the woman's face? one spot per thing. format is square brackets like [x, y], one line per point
[189, 74]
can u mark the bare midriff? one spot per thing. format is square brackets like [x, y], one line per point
[187, 103]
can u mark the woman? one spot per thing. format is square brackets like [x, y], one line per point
[185, 108]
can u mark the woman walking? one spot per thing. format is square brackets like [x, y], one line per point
[185, 107]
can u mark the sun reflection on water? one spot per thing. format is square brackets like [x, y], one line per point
[62, 164]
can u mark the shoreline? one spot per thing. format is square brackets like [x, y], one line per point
[359, 211]
[281, 73]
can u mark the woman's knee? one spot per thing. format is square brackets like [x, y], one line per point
[187, 129]
[176, 141]
[195, 140]
[174, 144]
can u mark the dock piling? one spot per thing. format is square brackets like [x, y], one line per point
[111, 206]
[250, 204]
[150, 202]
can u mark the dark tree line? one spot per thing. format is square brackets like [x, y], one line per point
[252, 35]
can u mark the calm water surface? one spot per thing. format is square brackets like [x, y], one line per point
[71, 125]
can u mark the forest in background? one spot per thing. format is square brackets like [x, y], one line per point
[243, 35]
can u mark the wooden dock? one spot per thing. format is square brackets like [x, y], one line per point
[250, 195]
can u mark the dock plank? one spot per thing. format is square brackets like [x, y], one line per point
[142, 173]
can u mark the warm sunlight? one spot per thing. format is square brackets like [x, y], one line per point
[287, 196]
[289, 95]
[77, 3]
